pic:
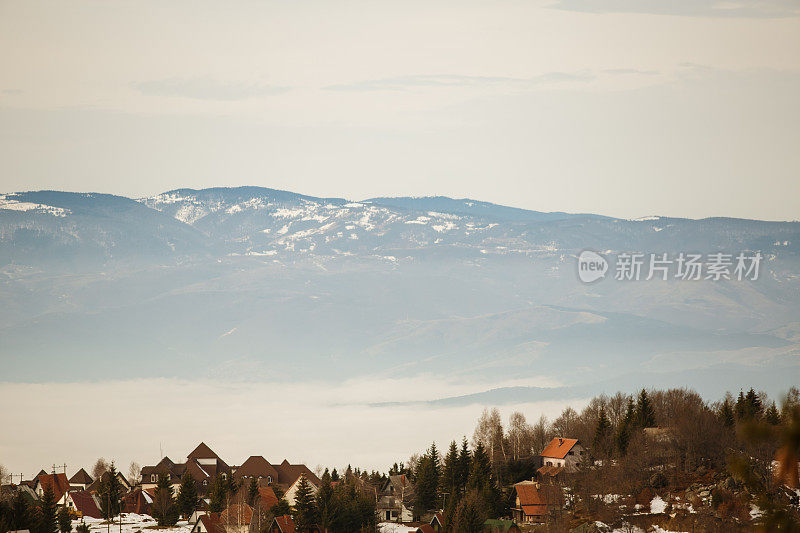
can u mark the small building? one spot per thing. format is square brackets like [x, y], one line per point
[81, 480]
[83, 503]
[137, 502]
[208, 523]
[437, 522]
[566, 453]
[282, 524]
[533, 502]
[58, 483]
[396, 500]
[95, 485]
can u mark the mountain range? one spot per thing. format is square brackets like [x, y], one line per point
[255, 283]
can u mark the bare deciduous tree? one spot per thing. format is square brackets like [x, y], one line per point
[100, 467]
[134, 473]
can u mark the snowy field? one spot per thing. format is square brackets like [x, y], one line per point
[131, 523]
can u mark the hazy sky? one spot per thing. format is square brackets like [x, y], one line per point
[622, 107]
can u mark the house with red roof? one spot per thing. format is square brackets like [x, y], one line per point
[564, 453]
[83, 503]
[534, 502]
[58, 483]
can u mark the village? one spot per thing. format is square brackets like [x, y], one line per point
[657, 461]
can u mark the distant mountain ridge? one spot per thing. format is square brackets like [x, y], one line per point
[252, 282]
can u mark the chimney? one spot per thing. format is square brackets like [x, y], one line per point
[560, 441]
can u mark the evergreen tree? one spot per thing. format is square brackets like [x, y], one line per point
[20, 514]
[252, 492]
[334, 475]
[219, 495]
[645, 414]
[602, 430]
[741, 408]
[325, 504]
[772, 416]
[726, 414]
[109, 492]
[64, 520]
[82, 528]
[305, 510]
[449, 479]
[187, 495]
[464, 466]
[47, 513]
[480, 474]
[470, 514]
[623, 435]
[753, 408]
[426, 484]
[164, 508]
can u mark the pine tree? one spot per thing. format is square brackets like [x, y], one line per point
[325, 503]
[726, 414]
[623, 435]
[47, 513]
[645, 414]
[480, 474]
[470, 514]
[187, 495]
[164, 508]
[464, 466]
[109, 492]
[602, 430]
[20, 513]
[449, 479]
[305, 510]
[64, 520]
[772, 416]
[741, 408]
[218, 496]
[426, 484]
[334, 475]
[753, 408]
[252, 492]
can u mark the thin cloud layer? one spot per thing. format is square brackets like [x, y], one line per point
[207, 89]
[689, 8]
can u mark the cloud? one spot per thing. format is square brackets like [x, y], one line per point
[400, 83]
[207, 89]
[305, 422]
[689, 8]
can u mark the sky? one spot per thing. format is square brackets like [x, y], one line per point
[626, 108]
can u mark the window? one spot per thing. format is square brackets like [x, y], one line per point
[205, 482]
[153, 478]
[269, 480]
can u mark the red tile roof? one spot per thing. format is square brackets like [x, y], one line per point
[57, 482]
[425, 528]
[285, 523]
[211, 523]
[85, 503]
[256, 466]
[237, 514]
[534, 499]
[559, 447]
[268, 498]
[550, 470]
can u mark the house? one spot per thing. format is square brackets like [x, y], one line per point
[566, 453]
[425, 528]
[256, 467]
[137, 501]
[202, 463]
[396, 499]
[437, 522]
[236, 518]
[282, 524]
[533, 502]
[208, 523]
[291, 493]
[95, 485]
[58, 483]
[83, 503]
[500, 526]
[81, 480]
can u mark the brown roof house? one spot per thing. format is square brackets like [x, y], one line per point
[202, 463]
[81, 480]
[83, 503]
[95, 485]
[565, 453]
[58, 483]
[396, 499]
[533, 502]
